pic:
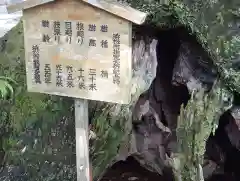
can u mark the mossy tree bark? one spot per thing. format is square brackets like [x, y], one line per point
[34, 124]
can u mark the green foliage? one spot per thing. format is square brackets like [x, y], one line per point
[110, 130]
[216, 24]
[28, 121]
[159, 13]
[195, 124]
[6, 88]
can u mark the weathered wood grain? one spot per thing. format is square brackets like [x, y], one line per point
[123, 11]
[110, 6]
[25, 5]
[82, 146]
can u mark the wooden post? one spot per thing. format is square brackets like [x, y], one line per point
[82, 142]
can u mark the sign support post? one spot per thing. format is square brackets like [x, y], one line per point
[82, 142]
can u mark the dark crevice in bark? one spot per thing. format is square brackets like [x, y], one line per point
[165, 100]
[226, 154]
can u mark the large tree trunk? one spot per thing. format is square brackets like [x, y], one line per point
[38, 129]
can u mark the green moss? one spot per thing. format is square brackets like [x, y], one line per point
[214, 22]
[216, 25]
[159, 13]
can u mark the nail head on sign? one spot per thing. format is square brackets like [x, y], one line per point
[81, 167]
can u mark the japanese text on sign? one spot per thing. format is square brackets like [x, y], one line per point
[80, 59]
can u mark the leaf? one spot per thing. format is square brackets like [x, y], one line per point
[5, 87]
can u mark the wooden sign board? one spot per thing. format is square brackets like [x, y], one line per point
[77, 50]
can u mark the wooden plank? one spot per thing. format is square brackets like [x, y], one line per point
[82, 142]
[79, 55]
[120, 10]
[110, 6]
[25, 4]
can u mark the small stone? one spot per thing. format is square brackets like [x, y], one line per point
[81, 167]
[132, 178]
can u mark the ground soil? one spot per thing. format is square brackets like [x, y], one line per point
[130, 170]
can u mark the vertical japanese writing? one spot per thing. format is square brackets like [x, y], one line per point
[91, 27]
[47, 74]
[92, 42]
[104, 44]
[116, 58]
[59, 78]
[57, 30]
[70, 83]
[36, 64]
[80, 32]
[104, 28]
[45, 23]
[92, 78]
[45, 37]
[104, 74]
[68, 31]
[81, 79]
